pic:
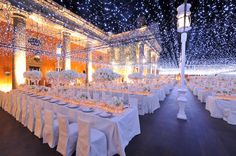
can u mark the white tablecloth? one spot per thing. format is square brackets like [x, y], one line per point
[202, 94]
[146, 103]
[216, 106]
[119, 129]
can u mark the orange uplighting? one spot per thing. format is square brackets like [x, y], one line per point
[178, 77]
[5, 87]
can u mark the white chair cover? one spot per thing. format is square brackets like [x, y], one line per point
[25, 111]
[8, 105]
[68, 134]
[96, 95]
[39, 120]
[50, 130]
[1, 98]
[19, 108]
[106, 96]
[14, 104]
[91, 142]
[133, 102]
[232, 117]
[31, 119]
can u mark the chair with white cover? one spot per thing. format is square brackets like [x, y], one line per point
[25, 111]
[14, 105]
[31, 119]
[8, 105]
[5, 102]
[133, 101]
[96, 95]
[91, 142]
[50, 130]
[231, 119]
[68, 134]
[106, 96]
[39, 120]
[1, 98]
[18, 107]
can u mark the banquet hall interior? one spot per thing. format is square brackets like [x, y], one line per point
[117, 77]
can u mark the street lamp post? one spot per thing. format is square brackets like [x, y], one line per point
[183, 25]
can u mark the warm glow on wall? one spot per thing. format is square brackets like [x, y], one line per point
[5, 87]
[124, 71]
[20, 66]
[68, 63]
[90, 71]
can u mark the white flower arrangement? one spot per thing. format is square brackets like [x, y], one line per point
[146, 89]
[116, 101]
[33, 75]
[52, 75]
[136, 76]
[105, 74]
[83, 96]
[42, 89]
[150, 76]
[81, 76]
[68, 75]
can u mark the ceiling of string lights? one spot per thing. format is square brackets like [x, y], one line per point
[211, 40]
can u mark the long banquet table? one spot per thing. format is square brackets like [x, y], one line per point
[217, 104]
[147, 102]
[119, 129]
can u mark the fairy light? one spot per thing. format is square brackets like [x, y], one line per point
[211, 40]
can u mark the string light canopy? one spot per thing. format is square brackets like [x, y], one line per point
[211, 40]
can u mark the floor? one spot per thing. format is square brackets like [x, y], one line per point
[161, 134]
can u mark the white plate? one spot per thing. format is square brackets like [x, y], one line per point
[87, 109]
[61, 103]
[46, 98]
[105, 115]
[72, 106]
[53, 100]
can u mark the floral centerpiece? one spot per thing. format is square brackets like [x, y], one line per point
[83, 96]
[105, 74]
[116, 101]
[68, 76]
[146, 89]
[53, 77]
[33, 75]
[150, 76]
[136, 76]
[81, 76]
[42, 89]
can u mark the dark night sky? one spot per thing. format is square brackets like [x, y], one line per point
[211, 40]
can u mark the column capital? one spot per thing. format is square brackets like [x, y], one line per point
[19, 15]
[66, 33]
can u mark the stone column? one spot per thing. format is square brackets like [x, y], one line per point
[19, 50]
[112, 55]
[149, 55]
[122, 55]
[66, 50]
[141, 57]
[89, 63]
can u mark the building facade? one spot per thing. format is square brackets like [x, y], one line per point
[30, 37]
